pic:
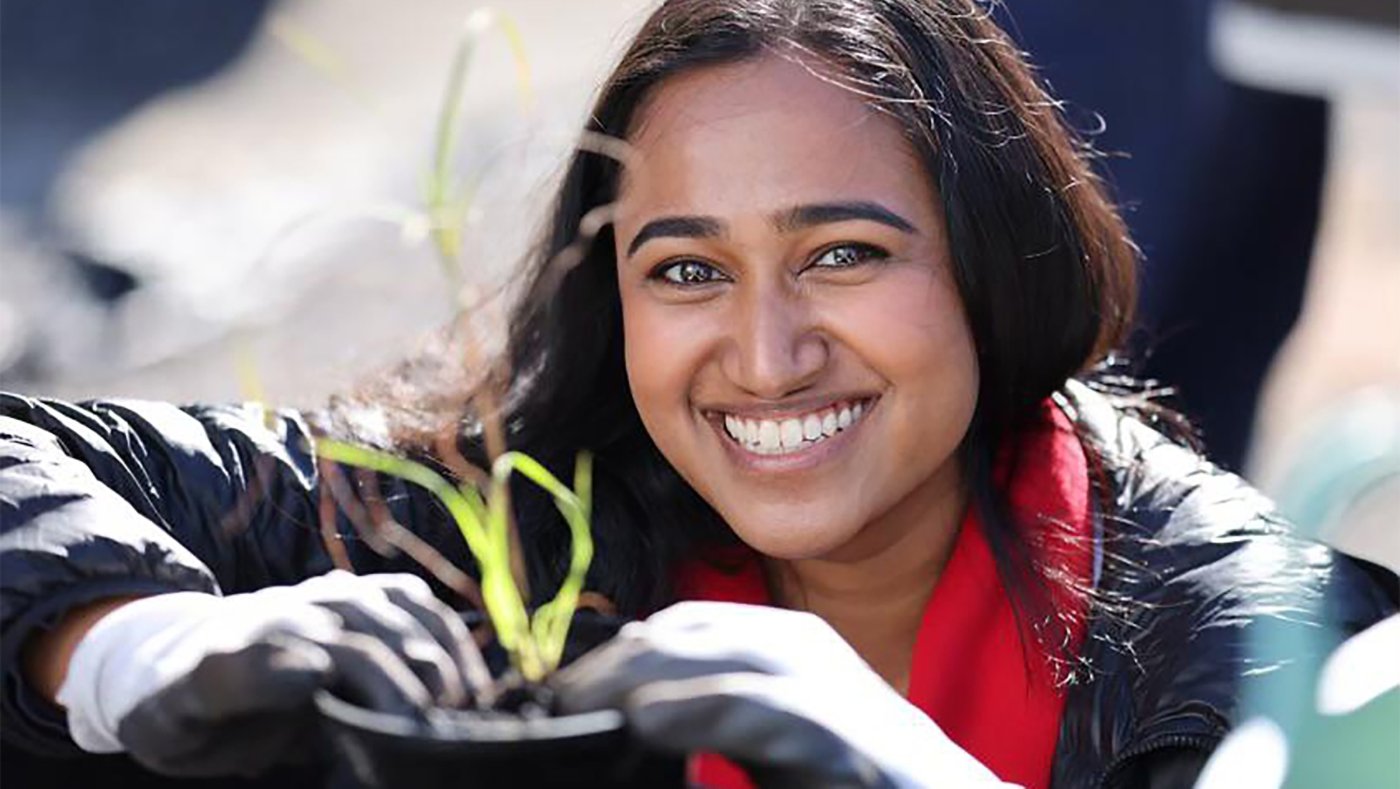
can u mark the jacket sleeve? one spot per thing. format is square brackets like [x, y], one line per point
[124, 497]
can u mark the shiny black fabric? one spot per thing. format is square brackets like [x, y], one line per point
[124, 497]
[1193, 563]
[120, 497]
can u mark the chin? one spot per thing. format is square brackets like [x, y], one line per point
[791, 538]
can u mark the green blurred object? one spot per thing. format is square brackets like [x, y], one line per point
[1353, 450]
[1357, 750]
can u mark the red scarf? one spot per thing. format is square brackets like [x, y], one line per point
[969, 672]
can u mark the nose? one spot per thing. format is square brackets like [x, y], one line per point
[777, 348]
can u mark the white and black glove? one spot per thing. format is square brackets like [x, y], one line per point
[777, 691]
[193, 684]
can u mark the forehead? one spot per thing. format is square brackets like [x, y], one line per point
[763, 134]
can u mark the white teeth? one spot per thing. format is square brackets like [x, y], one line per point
[767, 435]
[774, 437]
[791, 431]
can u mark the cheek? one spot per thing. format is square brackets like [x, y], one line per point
[910, 329]
[663, 351]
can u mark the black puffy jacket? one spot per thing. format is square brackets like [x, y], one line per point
[120, 497]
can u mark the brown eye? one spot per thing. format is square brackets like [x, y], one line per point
[689, 272]
[848, 256]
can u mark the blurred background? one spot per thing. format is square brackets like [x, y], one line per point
[220, 200]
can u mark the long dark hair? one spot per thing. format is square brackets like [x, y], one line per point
[1043, 264]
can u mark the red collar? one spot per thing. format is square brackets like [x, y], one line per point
[969, 672]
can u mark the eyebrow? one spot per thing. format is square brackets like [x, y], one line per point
[805, 216]
[789, 220]
[676, 227]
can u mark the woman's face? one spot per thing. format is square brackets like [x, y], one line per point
[795, 342]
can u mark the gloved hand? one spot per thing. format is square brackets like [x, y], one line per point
[777, 691]
[193, 684]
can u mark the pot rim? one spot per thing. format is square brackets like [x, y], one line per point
[451, 726]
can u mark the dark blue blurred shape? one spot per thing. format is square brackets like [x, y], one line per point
[69, 68]
[1222, 185]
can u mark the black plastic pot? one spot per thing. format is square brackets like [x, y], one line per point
[481, 750]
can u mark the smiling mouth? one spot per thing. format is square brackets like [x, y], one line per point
[798, 432]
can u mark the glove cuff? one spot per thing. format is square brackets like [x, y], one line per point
[124, 657]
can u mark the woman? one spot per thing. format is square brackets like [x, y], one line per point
[825, 356]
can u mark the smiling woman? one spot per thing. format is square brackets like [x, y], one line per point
[808, 294]
[801, 225]
[828, 356]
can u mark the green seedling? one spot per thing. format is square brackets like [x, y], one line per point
[535, 643]
[446, 197]
[480, 507]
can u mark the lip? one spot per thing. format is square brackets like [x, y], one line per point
[792, 462]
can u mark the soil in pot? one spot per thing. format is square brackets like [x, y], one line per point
[518, 745]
